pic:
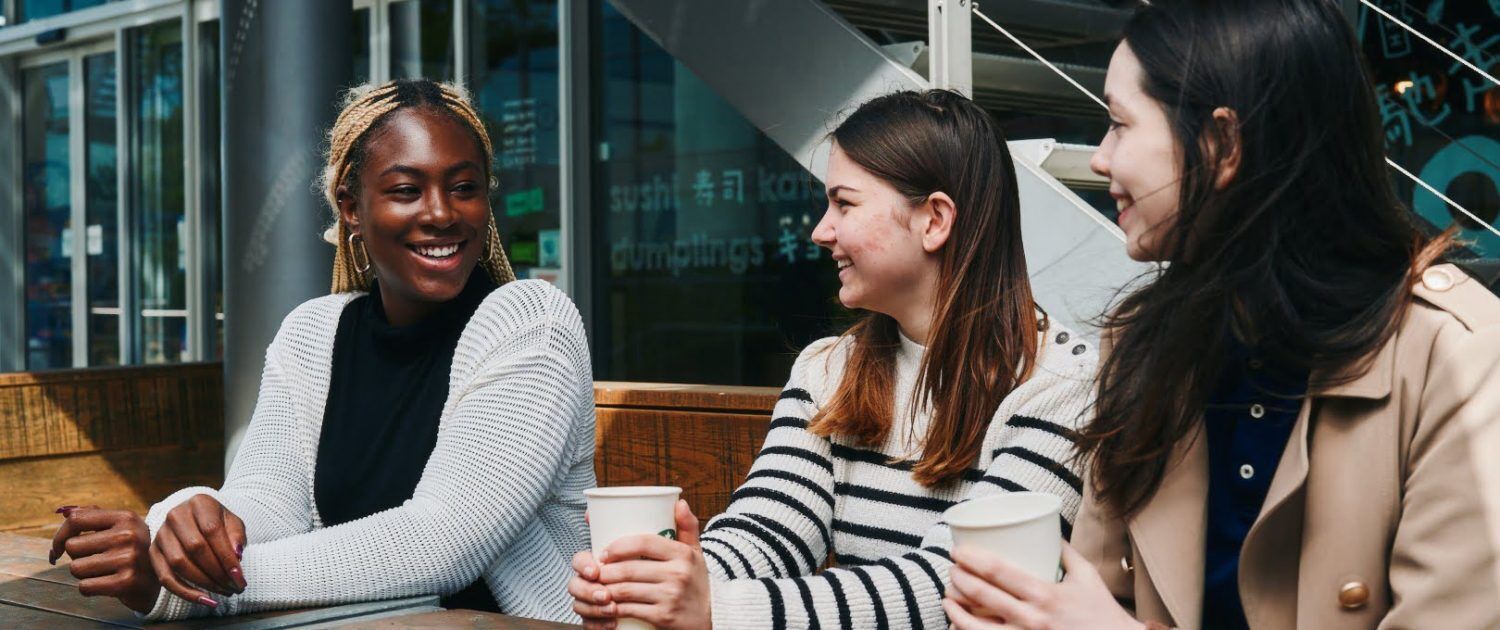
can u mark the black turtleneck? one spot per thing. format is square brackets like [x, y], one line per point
[385, 396]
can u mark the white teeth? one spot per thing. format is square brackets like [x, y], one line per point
[438, 252]
[844, 263]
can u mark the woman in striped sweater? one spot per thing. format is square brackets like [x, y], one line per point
[953, 386]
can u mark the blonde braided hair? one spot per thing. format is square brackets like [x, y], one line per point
[363, 109]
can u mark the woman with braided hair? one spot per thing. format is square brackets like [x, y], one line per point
[427, 429]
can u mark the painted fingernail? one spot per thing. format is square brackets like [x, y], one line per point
[203, 599]
[239, 550]
[66, 510]
[239, 578]
[601, 596]
[52, 557]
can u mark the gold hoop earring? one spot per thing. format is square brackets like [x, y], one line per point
[492, 243]
[354, 258]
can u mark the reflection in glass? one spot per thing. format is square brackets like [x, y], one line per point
[46, 191]
[703, 230]
[360, 42]
[513, 56]
[422, 39]
[38, 9]
[156, 196]
[101, 208]
[1441, 119]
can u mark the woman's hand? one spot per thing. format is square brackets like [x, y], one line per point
[110, 552]
[991, 593]
[200, 545]
[590, 598]
[660, 581]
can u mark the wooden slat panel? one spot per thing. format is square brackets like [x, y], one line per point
[130, 479]
[26, 557]
[170, 421]
[706, 454]
[65, 600]
[12, 616]
[79, 411]
[720, 398]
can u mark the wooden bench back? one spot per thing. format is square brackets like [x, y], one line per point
[699, 437]
[116, 437]
[127, 437]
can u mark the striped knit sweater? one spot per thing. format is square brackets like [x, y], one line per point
[501, 496]
[807, 497]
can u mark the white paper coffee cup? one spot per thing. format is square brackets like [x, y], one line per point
[621, 511]
[1023, 528]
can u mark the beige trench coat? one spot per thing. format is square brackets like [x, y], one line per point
[1384, 511]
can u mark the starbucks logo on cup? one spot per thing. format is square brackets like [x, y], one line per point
[669, 534]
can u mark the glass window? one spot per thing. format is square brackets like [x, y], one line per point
[101, 209]
[47, 189]
[360, 41]
[422, 39]
[1441, 119]
[513, 56]
[157, 195]
[702, 230]
[38, 9]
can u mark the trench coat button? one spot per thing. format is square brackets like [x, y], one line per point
[1079, 349]
[1354, 595]
[1437, 279]
[1247, 471]
[1257, 411]
[1062, 337]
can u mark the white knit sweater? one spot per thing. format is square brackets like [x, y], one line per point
[501, 496]
[807, 497]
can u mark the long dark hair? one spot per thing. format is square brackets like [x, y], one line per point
[985, 324]
[1306, 256]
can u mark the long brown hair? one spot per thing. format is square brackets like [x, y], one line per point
[1306, 256]
[985, 326]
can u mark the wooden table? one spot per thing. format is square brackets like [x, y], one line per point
[34, 594]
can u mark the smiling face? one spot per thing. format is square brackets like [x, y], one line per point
[876, 240]
[421, 206]
[1140, 157]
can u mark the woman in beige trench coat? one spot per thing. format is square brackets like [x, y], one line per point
[1298, 423]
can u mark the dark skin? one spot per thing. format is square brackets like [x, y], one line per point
[421, 192]
[423, 183]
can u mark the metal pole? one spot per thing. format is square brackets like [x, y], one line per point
[78, 197]
[949, 35]
[276, 108]
[12, 280]
[200, 319]
[574, 155]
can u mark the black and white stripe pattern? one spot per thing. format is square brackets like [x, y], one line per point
[808, 499]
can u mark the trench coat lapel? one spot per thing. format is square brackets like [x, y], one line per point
[1169, 531]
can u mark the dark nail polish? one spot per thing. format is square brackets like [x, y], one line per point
[239, 550]
[52, 557]
[239, 578]
[207, 602]
[64, 510]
